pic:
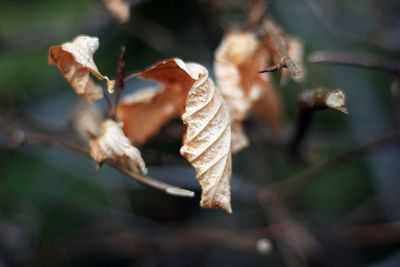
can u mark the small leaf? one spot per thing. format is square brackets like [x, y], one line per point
[119, 9]
[75, 63]
[114, 145]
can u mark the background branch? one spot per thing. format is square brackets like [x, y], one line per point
[311, 101]
[297, 183]
[49, 139]
[368, 61]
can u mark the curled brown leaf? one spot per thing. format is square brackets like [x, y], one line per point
[75, 62]
[145, 112]
[237, 61]
[186, 90]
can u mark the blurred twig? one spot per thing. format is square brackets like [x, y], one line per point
[356, 60]
[296, 183]
[256, 13]
[296, 242]
[120, 80]
[372, 234]
[311, 101]
[50, 139]
[272, 34]
[275, 67]
[144, 241]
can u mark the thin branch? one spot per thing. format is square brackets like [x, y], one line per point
[108, 101]
[182, 238]
[295, 242]
[295, 184]
[132, 75]
[120, 81]
[273, 68]
[356, 60]
[49, 139]
[372, 234]
[311, 101]
[273, 35]
[256, 14]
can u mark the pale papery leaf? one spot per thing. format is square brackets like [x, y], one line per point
[186, 88]
[119, 9]
[113, 144]
[238, 59]
[207, 141]
[75, 63]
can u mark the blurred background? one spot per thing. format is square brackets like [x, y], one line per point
[57, 210]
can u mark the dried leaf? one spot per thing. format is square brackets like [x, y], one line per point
[336, 99]
[119, 9]
[237, 61]
[186, 88]
[75, 63]
[207, 142]
[114, 145]
[145, 112]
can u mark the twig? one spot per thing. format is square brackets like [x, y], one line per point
[132, 75]
[150, 32]
[108, 101]
[182, 238]
[273, 68]
[356, 60]
[120, 81]
[311, 101]
[256, 14]
[396, 100]
[373, 234]
[295, 184]
[49, 139]
[295, 242]
[274, 37]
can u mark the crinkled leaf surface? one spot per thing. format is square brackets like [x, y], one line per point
[187, 90]
[75, 63]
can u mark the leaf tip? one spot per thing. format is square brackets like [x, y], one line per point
[336, 99]
[176, 191]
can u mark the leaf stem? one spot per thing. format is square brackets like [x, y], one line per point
[356, 60]
[50, 139]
